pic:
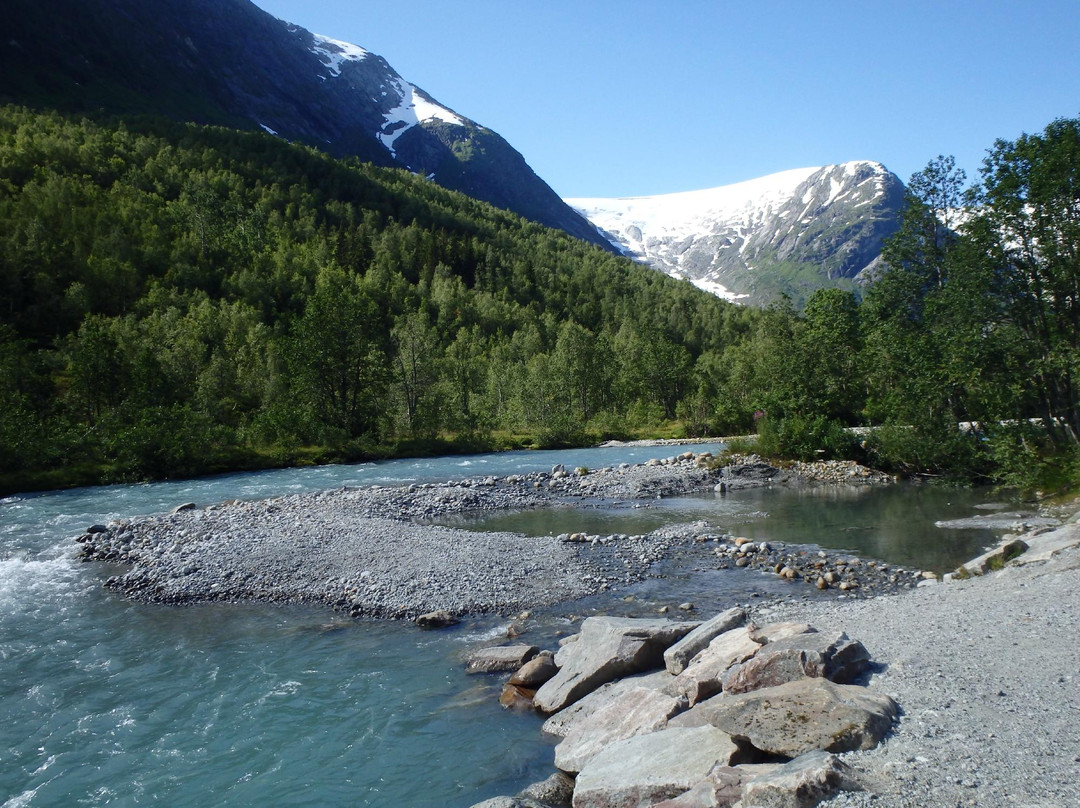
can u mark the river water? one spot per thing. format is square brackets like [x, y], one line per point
[107, 702]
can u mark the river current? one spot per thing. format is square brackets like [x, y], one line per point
[107, 702]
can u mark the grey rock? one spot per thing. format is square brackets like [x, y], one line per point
[1017, 522]
[802, 783]
[440, 618]
[636, 712]
[798, 717]
[721, 788]
[995, 558]
[500, 802]
[561, 723]
[187, 506]
[832, 655]
[608, 647]
[679, 655]
[1045, 546]
[703, 677]
[647, 769]
[774, 632]
[557, 791]
[500, 658]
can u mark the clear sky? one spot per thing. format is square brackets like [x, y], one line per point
[636, 97]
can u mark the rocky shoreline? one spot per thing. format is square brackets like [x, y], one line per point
[681, 714]
[374, 552]
[971, 699]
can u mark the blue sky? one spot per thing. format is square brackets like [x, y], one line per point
[623, 98]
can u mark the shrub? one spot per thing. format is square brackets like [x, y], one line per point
[800, 437]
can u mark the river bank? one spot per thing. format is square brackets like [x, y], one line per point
[986, 672]
[372, 551]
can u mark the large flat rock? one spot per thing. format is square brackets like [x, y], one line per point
[636, 712]
[605, 649]
[647, 769]
[798, 717]
[561, 723]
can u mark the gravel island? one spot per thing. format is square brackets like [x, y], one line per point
[372, 551]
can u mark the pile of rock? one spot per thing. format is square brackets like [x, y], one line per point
[683, 714]
[825, 570]
[841, 472]
[751, 471]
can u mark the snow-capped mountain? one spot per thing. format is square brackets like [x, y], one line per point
[791, 232]
[228, 62]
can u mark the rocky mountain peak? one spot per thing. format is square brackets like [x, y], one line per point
[786, 233]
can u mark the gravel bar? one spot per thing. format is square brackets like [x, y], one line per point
[372, 551]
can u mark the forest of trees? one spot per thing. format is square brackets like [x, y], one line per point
[176, 300]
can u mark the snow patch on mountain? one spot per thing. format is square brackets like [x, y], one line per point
[415, 107]
[412, 105]
[633, 221]
[334, 53]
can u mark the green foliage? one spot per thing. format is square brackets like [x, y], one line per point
[800, 437]
[939, 449]
[276, 305]
[178, 299]
[1027, 461]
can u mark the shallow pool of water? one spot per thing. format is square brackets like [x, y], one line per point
[892, 523]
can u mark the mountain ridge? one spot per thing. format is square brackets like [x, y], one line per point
[786, 233]
[228, 62]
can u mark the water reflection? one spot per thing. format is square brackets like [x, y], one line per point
[892, 523]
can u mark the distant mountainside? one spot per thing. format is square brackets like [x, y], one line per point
[792, 232]
[228, 62]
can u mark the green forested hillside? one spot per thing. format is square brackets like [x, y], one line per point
[175, 299]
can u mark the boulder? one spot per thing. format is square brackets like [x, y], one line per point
[798, 717]
[607, 648]
[647, 769]
[721, 788]
[634, 712]
[1043, 547]
[437, 619]
[536, 671]
[830, 655]
[557, 791]
[500, 658]
[802, 783]
[679, 655]
[703, 677]
[560, 724]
